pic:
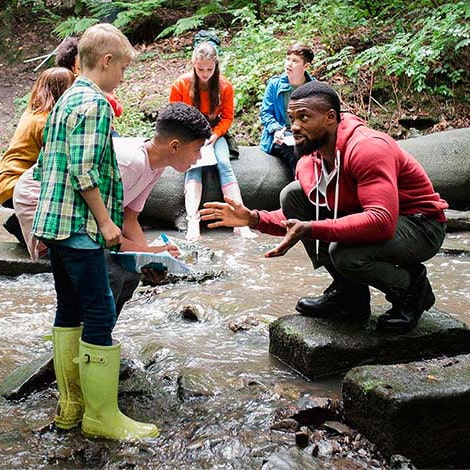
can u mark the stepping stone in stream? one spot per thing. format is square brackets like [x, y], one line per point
[420, 409]
[317, 347]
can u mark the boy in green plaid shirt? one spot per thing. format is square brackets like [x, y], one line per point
[79, 214]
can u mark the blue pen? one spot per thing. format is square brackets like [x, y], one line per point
[165, 238]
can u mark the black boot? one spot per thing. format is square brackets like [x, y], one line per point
[408, 305]
[342, 299]
[12, 225]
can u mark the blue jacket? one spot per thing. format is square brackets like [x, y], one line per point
[273, 112]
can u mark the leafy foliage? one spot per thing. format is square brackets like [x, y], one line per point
[424, 56]
[381, 52]
[419, 57]
[123, 14]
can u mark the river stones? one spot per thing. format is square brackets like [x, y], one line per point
[446, 158]
[419, 409]
[317, 346]
[29, 377]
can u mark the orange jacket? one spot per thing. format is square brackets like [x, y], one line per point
[181, 91]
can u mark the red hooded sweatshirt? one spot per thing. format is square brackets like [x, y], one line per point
[377, 182]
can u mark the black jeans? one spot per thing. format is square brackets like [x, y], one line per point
[287, 154]
[382, 265]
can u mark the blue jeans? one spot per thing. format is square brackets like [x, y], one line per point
[83, 292]
[224, 167]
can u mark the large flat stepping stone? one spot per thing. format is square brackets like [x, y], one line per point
[420, 409]
[317, 347]
[28, 377]
[15, 260]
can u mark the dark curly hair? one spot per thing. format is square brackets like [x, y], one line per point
[182, 121]
[321, 91]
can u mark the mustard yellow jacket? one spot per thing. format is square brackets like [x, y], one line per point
[22, 152]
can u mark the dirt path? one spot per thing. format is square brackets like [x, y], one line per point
[20, 39]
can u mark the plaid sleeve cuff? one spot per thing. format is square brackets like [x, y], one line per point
[85, 181]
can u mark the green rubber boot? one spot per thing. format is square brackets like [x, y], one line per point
[99, 376]
[70, 407]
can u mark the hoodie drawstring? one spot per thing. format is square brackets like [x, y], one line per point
[317, 197]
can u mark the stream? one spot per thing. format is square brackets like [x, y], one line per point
[217, 386]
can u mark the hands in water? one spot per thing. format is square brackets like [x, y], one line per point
[234, 214]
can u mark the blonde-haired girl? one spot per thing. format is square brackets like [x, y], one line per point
[209, 91]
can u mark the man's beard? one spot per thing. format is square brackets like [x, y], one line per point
[309, 146]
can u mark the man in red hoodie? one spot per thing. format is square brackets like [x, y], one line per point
[363, 208]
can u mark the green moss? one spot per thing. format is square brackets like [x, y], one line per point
[370, 385]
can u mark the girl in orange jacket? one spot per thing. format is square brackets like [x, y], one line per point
[210, 92]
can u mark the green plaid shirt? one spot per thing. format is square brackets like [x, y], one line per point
[77, 155]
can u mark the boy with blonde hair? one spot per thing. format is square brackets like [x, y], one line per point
[79, 214]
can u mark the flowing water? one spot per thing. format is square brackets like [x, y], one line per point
[225, 353]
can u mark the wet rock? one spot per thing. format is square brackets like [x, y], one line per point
[196, 312]
[398, 462]
[83, 454]
[302, 437]
[317, 347]
[314, 411]
[325, 448]
[134, 380]
[419, 409]
[285, 412]
[242, 324]
[458, 221]
[337, 427]
[445, 157]
[291, 459]
[197, 383]
[29, 377]
[15, 260]
[153, 352]
[286, 391]
[39, 420]
[190, 312]
[198, 276]
[287, 425]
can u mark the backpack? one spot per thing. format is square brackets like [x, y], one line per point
[206, 36]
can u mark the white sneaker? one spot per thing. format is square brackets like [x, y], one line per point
[193, 232]
[245, 232]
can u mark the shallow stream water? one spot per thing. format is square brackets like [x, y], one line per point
[226, 350]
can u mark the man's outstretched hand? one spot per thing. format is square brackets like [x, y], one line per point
[296, 230]
[228, 214]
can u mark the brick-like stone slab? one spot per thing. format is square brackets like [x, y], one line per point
[15, 260]
[317, 347]
[420, 409]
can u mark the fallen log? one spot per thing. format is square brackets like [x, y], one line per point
[444, 155]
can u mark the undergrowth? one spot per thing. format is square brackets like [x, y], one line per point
[385, 61]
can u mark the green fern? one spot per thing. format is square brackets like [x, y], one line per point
[73, 26]
[182, 26]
